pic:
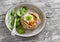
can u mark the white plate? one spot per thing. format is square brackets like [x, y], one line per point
[34, 8]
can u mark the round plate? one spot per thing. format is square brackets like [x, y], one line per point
[33, 8]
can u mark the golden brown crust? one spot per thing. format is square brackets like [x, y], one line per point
[28, 26]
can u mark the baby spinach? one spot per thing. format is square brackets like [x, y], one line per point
[20, 30]
[18, 14]
[11, 23]
[22, 11]
[19, 27]
[13, 12]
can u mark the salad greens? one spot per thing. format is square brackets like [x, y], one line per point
[13, 12]
[11, 24]
[18, 14]
[22, 11]
[19, 27]
[11, 19]
[20, 30]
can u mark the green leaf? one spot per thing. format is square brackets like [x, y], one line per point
[10, 17]
[20, 30]
[11, 23]
[13, 12]
[18, 13]
[17, 21]
[19, 26]
[23, 10]
[11, 26]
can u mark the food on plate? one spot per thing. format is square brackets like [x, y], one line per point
[30, 20]
[25, 19]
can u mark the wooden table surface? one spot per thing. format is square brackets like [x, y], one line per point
[51, 33]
